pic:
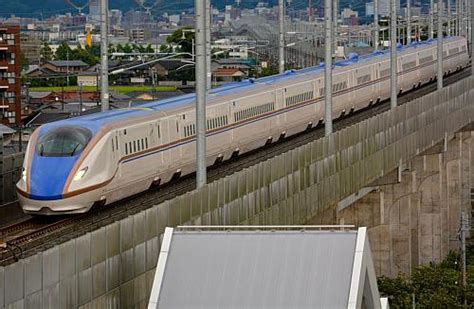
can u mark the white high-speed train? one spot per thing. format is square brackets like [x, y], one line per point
[101, 158]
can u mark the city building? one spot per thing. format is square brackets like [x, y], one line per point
[94, 12]
[384, 7]
[115, 17]
[88, 79]
[350, 17]
[31, 47]
[10, 70]
[137, 34]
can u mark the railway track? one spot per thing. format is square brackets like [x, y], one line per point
[30, 234]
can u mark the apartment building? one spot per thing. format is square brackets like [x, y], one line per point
[10, 70]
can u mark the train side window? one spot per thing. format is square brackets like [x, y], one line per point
[158, 131]
[143, 144]
[146, 142]
[126, 148]
[116, 143]
[134, 146]
[125, 132]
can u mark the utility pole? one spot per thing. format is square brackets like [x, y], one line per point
[67, 66]
[201, 78]
[208, 46]
[281, 40]
[376, 24]
[80, 98]
[408, 22]
[463, 229]
[104, 57]
[393, 54]
[431, 26]
[328, 68]
[310, 11]
[439, 44]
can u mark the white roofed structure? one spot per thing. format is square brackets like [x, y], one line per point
[265, 267]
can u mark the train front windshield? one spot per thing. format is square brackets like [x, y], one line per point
[64, 141]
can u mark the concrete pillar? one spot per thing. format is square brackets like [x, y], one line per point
[458, 183]
[390, 214]
[413, 216]
[414, 220]
[369, 212]
[428, 175]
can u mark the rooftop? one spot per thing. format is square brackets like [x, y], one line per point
[4, 130]
[71, 63]
[264, 267]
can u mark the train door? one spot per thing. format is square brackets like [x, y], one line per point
[115, 155]
[279, 104]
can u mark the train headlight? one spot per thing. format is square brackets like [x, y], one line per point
[23, 174]
[80, 174]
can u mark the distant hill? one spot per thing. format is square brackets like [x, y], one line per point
[37, 8]
[30, 8]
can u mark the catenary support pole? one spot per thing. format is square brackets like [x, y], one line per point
[376, 24]
[208, 46]
[472, 37]
[199, 9]
[335, 10]
[393, 54]
[328, 68]
[463, 229]
[2, 178]
[449, 30]
[458, 17]
[439, 45]
[463, 18]
[431, 25]
[408, 22]
[104, 57]
[281, 36]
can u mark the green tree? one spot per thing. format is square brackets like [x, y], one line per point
[149, 49]
[23, 62]
[165, 48]
[84, 55]
[127, 48]
[434, 286]
[399, 291]
[183, 41]
[64, 52]
[268, 71]
[46, 53]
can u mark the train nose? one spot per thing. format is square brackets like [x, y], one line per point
[48, 176]
[54, 156]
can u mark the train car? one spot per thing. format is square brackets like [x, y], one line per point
[71, 165]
